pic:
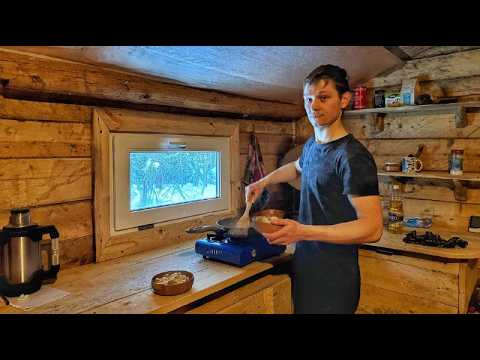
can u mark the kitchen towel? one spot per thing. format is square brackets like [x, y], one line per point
[254, 171]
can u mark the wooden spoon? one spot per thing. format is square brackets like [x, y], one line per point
[244, 221]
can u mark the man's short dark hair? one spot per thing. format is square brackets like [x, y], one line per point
[329, 72]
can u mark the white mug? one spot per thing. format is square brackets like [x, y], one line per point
[410, 164]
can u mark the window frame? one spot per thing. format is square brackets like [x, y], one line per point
[122, 144]
[107, 121]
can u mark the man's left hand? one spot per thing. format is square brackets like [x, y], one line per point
[289, 234]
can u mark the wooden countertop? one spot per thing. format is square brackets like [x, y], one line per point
[395, 242]
[123, 285]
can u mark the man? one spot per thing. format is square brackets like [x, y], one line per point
[339, 201]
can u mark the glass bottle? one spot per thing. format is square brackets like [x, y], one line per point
[395, 210]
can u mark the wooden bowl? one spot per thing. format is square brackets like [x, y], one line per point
[172, 289]
[271, 212]
[264, 227]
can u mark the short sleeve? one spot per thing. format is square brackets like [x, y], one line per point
[305, 150]
[358, 174]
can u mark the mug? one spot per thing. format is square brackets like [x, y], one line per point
[410, 164]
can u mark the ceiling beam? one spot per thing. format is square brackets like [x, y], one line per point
[395, 50]
[40, 77]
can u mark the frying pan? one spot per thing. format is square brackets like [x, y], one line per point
[226, 227]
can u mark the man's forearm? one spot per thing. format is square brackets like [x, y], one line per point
[286, 173]
[353, 232]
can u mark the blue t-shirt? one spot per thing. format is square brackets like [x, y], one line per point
[326, 275]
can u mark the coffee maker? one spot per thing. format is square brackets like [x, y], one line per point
[21, 270]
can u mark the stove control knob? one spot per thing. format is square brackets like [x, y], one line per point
[254, 253]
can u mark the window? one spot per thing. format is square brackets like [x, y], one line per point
[159, 178]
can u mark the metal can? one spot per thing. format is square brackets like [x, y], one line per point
[360, 97]
[456, 162]
[379, 99]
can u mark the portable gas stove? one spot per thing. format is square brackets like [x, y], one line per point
[237, 251]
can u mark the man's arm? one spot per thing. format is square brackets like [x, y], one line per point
[285, 173]
[367, 228]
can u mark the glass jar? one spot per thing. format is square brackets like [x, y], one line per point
[456, 162]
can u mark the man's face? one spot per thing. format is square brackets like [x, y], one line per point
[322, 102]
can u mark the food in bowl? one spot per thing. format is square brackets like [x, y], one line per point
[266, 219]
[172, 282]
[174, 278]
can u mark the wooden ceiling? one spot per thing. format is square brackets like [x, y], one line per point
[272, 73]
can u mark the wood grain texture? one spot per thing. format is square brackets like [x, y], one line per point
[34, 182]
[409, 126]
[377, 300]
[467, 280]
[41, 139]
[459, 64]
[123, 285]
[114, 120]
[43, 111]
[39, 74]
[428, 189]
[270, 294]
[419, 281]
[434, 156]
[395, 242]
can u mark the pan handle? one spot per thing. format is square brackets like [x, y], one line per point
[202, 229]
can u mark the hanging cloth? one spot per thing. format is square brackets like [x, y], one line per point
[254, 171]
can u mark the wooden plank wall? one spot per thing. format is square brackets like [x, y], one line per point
[457, 74]
[46, 165]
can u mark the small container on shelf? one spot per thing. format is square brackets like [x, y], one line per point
[360, 97]
[456, 162]
[379, 99]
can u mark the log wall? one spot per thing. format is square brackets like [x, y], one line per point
[46, 165]
[458, 75]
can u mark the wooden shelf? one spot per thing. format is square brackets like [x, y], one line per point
[395, 242]
[415, 108]
[378, 114]
[444, 175]
[459, 182]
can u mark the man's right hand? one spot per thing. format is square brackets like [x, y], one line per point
[254, 190]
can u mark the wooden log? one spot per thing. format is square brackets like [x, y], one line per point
[43, 111]
[269, 144]
[267, 127]
[408, 126]
[34, 182]
[36, 74]
[35, 139]
[460, 64]
[73, 220]
[76, 252]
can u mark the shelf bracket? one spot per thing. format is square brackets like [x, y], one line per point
[377, 122]
[460, 117]
[460, 190]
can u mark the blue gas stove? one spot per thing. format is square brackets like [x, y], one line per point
[237, 251]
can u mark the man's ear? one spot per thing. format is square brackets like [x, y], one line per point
[346, 97]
